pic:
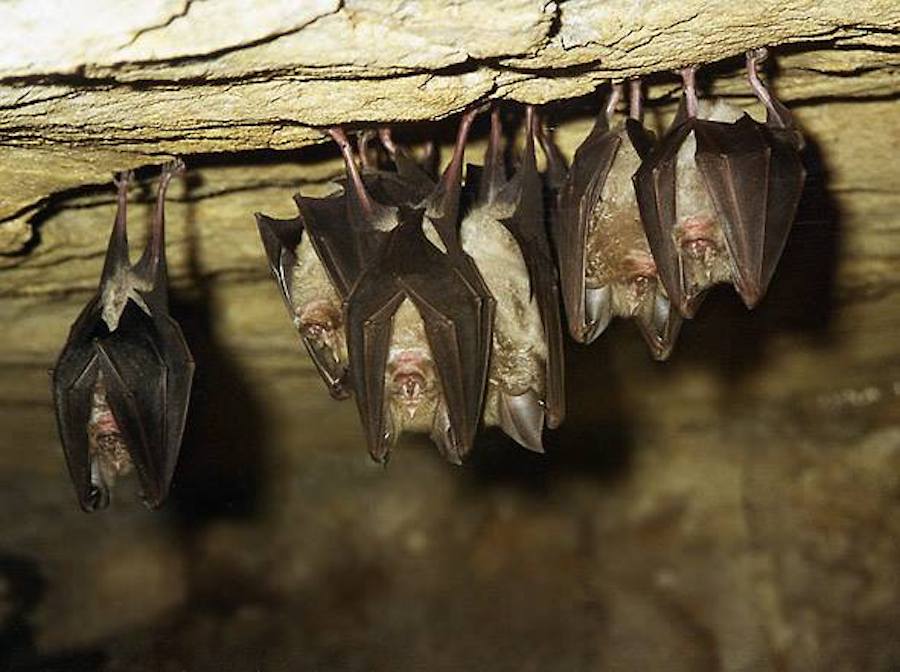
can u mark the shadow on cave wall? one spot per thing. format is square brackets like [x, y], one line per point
[22, 588]
[221, 469]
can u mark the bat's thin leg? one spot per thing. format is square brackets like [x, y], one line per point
[453, 174]
[754, 58]
[117, 251]
[615, 95]
[362, 140]
[556, 162]
[384, 134]
[494, 175]
[689, 79]
[635, 100]
[158, 232]
[338, 135]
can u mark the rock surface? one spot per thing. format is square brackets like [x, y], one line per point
[736, 508]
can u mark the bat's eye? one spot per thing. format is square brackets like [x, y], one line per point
[316, 331]
[642, 284]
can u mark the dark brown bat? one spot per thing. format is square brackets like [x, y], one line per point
[504, 233]
[122, 382]
[419, 319]
[606, 266]
[719, 193]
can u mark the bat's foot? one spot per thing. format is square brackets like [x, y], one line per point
[172, 168]
[384, 134]
[123, 180]
[757, 55]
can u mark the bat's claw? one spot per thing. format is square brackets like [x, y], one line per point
[123, 179]
[172, 168]
[757, 55]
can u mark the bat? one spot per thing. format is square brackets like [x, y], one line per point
[122, 383]
[504, 233]
[606, 265]
[719, 193]
[419, 318]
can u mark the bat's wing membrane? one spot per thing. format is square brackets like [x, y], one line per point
[74, 378]
[135, 374]
[526, 225]
[453, 311]
[755, 183]
[654, 185]
[577, 199]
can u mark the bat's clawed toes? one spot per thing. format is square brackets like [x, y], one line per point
[123, 180]
[522, 419]
[172, 168]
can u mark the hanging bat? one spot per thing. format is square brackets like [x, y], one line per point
[122, 382]
[606, 266]
[504, 234]
[719, 193]
[419, 319]
[317, 257]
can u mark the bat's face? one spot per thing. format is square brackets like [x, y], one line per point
[318, 312]
[108, 452]
[412, 389]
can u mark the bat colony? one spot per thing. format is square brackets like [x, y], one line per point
[434, 300]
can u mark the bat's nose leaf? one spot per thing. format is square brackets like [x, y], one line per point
[522, 418]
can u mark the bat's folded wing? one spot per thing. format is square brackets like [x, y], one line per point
[579, 195]
[457, 313]
[755, 181]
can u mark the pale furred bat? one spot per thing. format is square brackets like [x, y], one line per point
[317, 257]
[122, 382]
[504, 233]
[606, 265]
[718, 195]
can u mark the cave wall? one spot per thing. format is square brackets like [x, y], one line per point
[737, 505]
